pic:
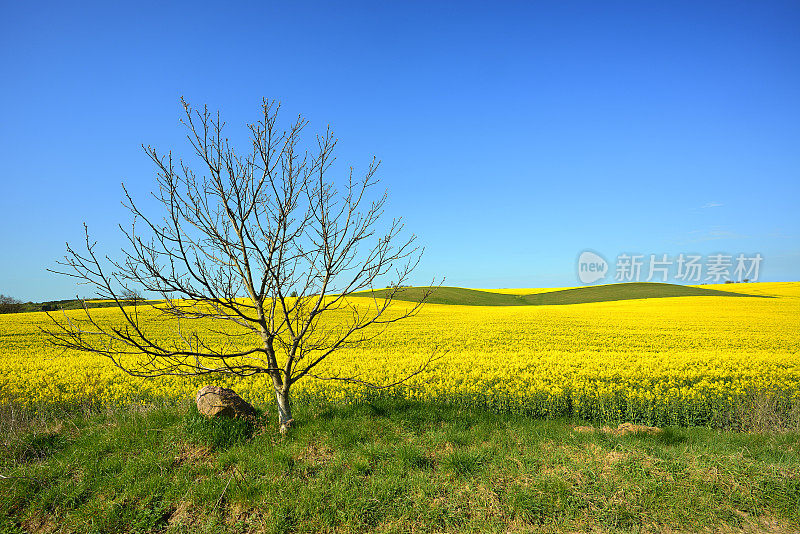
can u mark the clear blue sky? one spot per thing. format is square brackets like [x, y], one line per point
[513, 135]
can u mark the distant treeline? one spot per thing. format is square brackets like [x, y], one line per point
[12, 305]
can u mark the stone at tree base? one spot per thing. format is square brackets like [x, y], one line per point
[215, 401]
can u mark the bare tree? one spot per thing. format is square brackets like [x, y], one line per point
[9, 304]
[131, 297]
[265, 242]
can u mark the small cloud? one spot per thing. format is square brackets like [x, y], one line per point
[698, 236]
[711, 205]
[780, 235]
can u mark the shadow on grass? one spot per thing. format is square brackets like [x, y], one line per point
[37, 446]
[414, 414]
[220, 433]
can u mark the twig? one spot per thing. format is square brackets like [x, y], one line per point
[222, 495]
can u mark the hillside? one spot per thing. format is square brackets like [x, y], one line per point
[578, 295]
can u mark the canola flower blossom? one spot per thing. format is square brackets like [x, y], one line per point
[677, 360]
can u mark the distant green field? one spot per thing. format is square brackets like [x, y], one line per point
[69, 304]
[475, 297]
[579, 295]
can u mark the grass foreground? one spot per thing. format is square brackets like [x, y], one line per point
[388, 466]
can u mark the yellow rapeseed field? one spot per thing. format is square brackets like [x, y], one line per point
[681, 360]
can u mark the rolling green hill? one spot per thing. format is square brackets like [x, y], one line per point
[579, 295]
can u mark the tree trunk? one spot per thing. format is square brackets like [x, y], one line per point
[284, 409]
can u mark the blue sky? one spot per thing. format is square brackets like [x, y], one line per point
[513, 135]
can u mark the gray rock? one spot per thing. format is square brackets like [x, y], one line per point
[215, 401]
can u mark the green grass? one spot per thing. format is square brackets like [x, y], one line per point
[451, 295]
[390, 466]
[579, 295]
